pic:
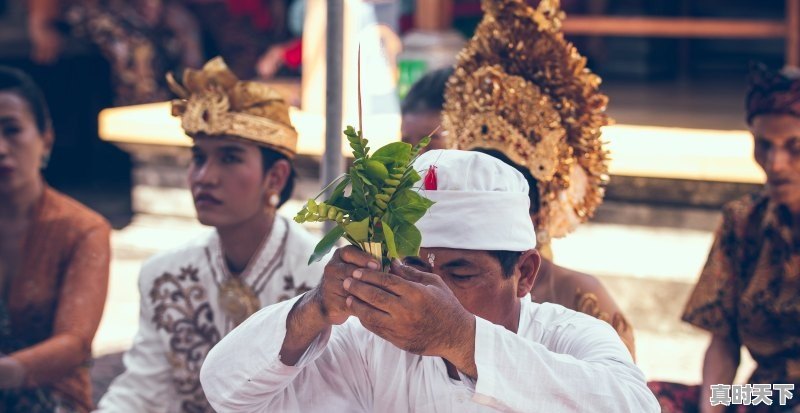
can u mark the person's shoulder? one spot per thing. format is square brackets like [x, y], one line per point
[178, 259]
[61, 209]
[743, 208]
[548, 317]
[580, 282]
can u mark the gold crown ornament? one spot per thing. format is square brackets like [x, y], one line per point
[215, 102]
[520, 88]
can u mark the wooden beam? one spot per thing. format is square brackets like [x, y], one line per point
[676, 27]
[793, 33]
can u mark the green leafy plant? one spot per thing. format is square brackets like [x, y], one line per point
[380, 209]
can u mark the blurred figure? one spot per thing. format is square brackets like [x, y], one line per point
[193, 296]
[748, 293]
[239, 30]
[54, 262]
[141, 39]
[422, 110]
[509, 116]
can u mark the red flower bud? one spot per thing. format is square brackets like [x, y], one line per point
[430, 183]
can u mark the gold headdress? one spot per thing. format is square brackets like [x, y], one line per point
[522, 89]
[215, 102]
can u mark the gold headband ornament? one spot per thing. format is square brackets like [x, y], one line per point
[213, 101]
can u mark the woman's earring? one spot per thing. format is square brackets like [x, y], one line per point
[45, 160]
[273, 200]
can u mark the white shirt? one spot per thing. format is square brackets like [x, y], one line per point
[180, 318]
[559, 361]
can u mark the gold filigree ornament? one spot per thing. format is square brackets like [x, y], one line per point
[519, 87]
[237, 300]
[213, 101]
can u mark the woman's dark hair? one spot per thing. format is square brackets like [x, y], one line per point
[533, 185]
[427, 93]
[268, 158]
[18, 82]
[508, 260]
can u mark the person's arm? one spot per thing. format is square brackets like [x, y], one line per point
[292, 350]
[596, 301]
[719, 367]
[712, 306]
[145, 383]
[584, 364]
[77, 315]
[45, 38]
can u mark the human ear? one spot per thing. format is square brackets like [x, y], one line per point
[528, 267]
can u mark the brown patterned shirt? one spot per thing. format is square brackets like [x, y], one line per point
[749, 289]
[55, 299]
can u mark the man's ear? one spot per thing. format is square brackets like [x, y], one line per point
[528, 265]
[277, 176]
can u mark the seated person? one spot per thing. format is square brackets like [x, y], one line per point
[54, 260]
[747, 294]
[191, 297]
[451, 330]
[553, 138]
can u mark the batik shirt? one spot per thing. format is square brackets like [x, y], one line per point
[749, 289]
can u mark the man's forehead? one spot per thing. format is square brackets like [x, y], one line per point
[452, 255]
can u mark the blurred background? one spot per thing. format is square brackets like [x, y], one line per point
[674, 71]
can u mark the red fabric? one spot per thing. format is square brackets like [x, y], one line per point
[259, 15]
[293, 55]
[430, 183]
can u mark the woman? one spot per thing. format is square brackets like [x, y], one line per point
[54, 260]
[521, 93]
[191, 297]
[748, 293]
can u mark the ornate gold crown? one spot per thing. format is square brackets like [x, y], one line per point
[522, 89]
[214, 101]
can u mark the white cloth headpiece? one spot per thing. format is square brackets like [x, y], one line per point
[481, 203]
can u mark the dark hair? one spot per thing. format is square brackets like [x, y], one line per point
[268, 158]
[533, 184]
[18, 82]
[508, 260]
[427, 93]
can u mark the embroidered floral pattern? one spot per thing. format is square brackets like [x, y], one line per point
[181, 308]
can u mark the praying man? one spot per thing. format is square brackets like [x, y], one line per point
[453, 330]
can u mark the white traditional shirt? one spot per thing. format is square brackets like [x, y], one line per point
[559, 361]
[181, 320]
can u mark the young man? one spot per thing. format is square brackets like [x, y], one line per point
[451, 330]
[193, 296]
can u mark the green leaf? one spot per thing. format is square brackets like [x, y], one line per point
[409, 206]
[338, 192]
[359, 193]
[358, 230]
[393, 153]
[409, 178]
[391, 246]
[365, 179]
[407, 238]
[326, 244]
